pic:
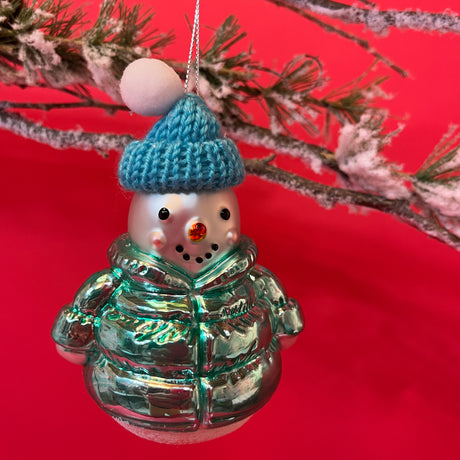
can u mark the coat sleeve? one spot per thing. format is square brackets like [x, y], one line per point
[287, 316]
[73, 327]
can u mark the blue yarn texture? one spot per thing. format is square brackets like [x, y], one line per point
[184, 152]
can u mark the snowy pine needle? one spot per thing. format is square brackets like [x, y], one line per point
[359, 156]
[52, 44]
[438, 180]
[443, 165]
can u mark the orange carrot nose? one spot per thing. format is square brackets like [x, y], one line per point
[197, 232]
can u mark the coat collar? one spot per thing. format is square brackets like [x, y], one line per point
[157, 273]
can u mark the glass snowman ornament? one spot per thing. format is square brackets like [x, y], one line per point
[180, 339]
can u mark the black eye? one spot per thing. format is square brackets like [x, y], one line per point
[163, 213]
[225, 214]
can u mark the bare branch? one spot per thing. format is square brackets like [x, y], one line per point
[379, 21]
[88, 103]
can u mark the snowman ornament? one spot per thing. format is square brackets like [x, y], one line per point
[180, 338]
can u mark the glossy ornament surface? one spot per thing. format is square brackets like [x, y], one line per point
[180, 338]
[168, 352]
[193, 234]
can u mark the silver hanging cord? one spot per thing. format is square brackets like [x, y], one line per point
[195, 41]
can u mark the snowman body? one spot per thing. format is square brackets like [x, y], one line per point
[177, 352]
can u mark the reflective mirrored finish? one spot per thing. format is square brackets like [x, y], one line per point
[190, 230]
[179, 358]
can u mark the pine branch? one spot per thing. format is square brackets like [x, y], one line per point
[288, 97]
[325, 195]
[44, 44]
[328, 197]
[99, 55]
[379, 21]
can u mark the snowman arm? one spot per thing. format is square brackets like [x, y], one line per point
[73, 327]
[287, 315]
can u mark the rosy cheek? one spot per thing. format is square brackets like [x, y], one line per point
[157, 239]
[232, 236]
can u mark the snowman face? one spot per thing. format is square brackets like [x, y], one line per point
[191, 230]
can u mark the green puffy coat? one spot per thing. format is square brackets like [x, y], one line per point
[168, 352]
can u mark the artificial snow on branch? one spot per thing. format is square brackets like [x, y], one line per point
[328, 197]
[358, 155]
[76, 139]
[313, 155]
[437, 181]
[379, 21]
[347, 35]
[49, 43]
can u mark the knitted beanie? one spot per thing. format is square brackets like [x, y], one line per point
[184, 152]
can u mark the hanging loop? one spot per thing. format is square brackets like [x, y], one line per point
[194, 42]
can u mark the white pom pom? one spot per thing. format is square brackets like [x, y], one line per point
[150, 87]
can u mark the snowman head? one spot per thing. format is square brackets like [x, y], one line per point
[184, 209]
[190, 230]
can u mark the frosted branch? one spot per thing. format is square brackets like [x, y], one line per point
[358, 154]
[328, 197]
[332, 29]
[58, 139]
[379, 21]
[325, 195]
[313, 155]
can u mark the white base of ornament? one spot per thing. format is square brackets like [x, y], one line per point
[190, 437]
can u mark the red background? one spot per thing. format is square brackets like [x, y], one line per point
[376, 373]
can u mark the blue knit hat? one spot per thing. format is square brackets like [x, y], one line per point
[184, 152]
